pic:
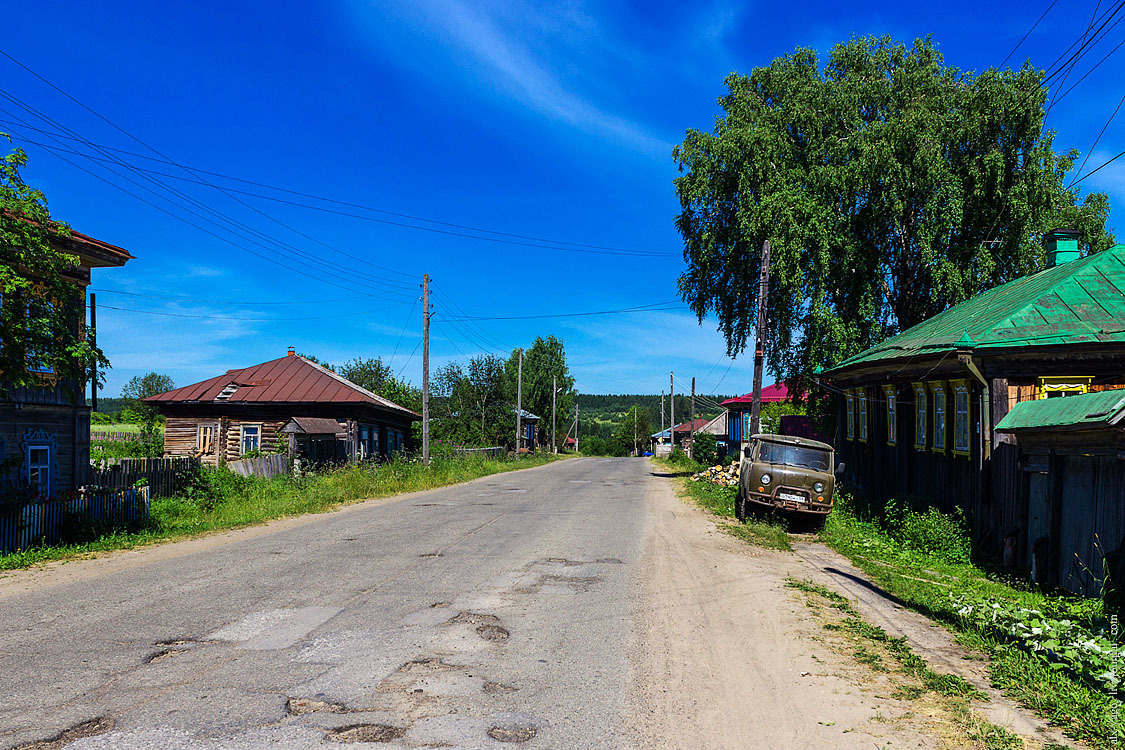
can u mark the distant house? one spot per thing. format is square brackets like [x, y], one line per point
[45, 429]
[739, 408]
[917, 414]
[287, 404]
[529, 425]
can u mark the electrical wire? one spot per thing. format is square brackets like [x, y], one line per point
[247, 320]
[167, 298]
[654, 307]
[409, 315]
[1028, 33]
[1097, 140]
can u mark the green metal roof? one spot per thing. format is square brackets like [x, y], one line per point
[1082, 301]
[1088, 410]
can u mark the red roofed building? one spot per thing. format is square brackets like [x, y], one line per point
[289, 404]
[738, 411]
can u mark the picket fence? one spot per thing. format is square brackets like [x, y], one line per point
[268, 466]
[116, 435]
[164, 476]
[23, 525]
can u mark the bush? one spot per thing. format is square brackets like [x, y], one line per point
[706, 449]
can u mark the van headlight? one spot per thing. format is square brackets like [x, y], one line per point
[766, 479]
[818, 487]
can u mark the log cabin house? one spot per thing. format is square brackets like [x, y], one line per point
[45, 430]
[1072, 461]
[916, 412]
[289, 404]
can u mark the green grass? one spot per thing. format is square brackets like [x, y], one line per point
[928, 580]
[720, 501]
[222, 500]
[873, 647]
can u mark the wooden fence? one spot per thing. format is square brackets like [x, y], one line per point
[268, 466]
[23, 525]
[165, 476]
[118, 435]
[497, 452]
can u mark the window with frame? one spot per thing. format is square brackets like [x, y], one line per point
[941, 420]
[920, 416]
[205, 438]
[251, 438]
[849, 418]
[962, 431]
[892, 414]
[39, 468]
[863, 415]
[1063, 386]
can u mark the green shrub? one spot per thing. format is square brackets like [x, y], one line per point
[706, 449]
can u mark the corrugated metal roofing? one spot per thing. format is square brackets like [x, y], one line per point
[317, 426]
[289, 379]
[1079, 302]
[770, 394]
[1089, 410]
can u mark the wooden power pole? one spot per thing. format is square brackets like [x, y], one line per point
[554, 406]
[576, 446]
[426, 368]
[691, 429]
[662, 416]
[519, 405]
[760, 342]
[672, 406]
[94, 343]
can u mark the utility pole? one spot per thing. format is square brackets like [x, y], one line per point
[672, 406]
[691, 453]
[759, 345]
[576, 446]
[634, 429]
[519, 405]
[554, 406]
[426, 368]
[94, 343]
[662, 416]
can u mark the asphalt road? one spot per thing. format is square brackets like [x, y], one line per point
[497, 613]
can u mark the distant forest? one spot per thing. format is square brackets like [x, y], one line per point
[598, 414]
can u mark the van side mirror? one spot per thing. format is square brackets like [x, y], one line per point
[748, 451]
[840, 469]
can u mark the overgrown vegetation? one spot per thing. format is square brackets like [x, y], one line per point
[219, 499]
[881, 652]
[719, 501]
[1054, 653]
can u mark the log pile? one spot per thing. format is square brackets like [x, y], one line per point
[726, 476]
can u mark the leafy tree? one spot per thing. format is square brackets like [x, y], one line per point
[889, 184]
[634, 430]
[543, 362]
[42, 310]
[474, 406]
[705, 448]
[135, 391]
[379, 378]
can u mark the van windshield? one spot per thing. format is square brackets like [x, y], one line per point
[794, 455]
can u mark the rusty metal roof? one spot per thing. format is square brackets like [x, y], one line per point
[286, 380]
[1080, 302]
[314, 426]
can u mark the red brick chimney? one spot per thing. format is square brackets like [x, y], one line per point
[292, 352]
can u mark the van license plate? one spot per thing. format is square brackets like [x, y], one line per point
[791, 497]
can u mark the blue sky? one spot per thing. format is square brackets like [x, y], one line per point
[551, 121]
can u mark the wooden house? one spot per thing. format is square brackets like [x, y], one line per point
[289, 404]
[45, 429]
[916, 412]
[1072, 461]
[738, 412]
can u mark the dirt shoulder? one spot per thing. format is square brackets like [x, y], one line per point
[728, 655]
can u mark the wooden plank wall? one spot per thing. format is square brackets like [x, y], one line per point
[268, 466]
[25, 525]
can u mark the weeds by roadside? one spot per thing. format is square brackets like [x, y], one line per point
[719, 501]
[221, 500]
[922, 559]
[915, 680]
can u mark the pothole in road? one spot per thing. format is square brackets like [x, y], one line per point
[426, 666]
[300, 706]
[495, 688]
[430, 554]
[365, 733]
[90, 728]
[160, 656]
[475, 618]
[493, 633]
[512, 733]
[609, 561]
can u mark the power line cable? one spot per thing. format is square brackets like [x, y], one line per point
[243, 319]
[1028, 33]
[36, 113]
[654, 307]
[1095, 144]
[409, 315]
[239, 303]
